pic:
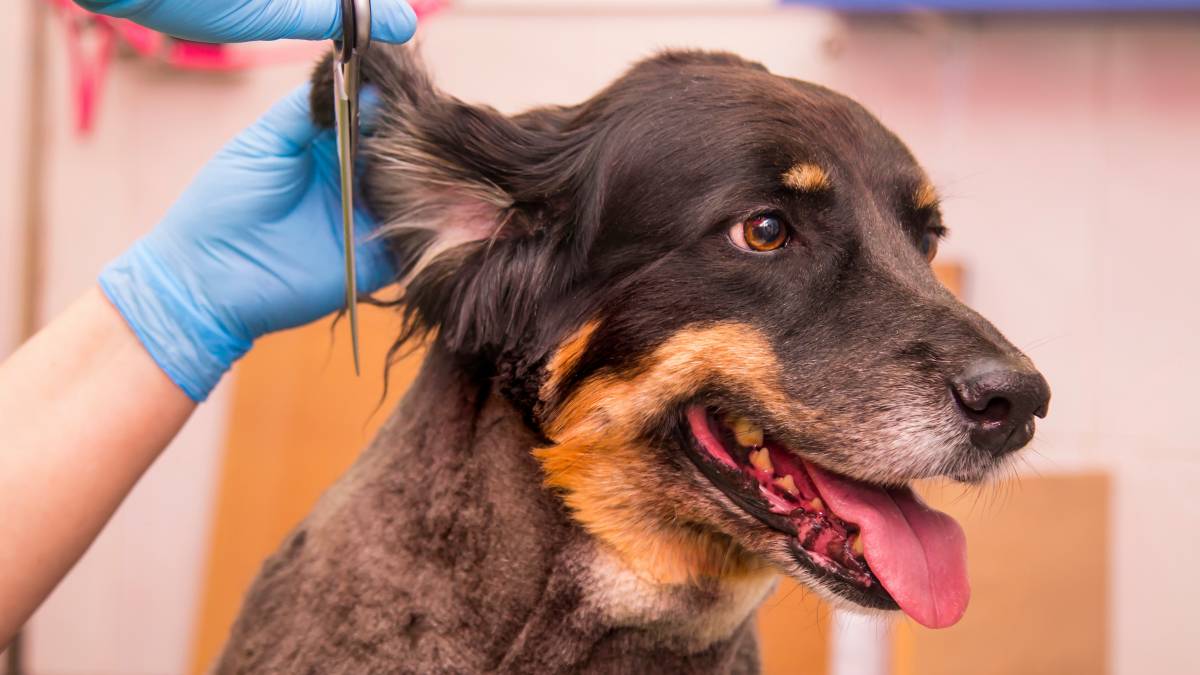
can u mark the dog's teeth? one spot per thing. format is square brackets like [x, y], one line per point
[761, 460]
[857, 545]
[787, 484]
[816, 504]
[747, 433]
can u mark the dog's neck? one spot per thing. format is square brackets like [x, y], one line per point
[452, 501]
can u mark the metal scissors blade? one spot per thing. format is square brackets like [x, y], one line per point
[356, 36]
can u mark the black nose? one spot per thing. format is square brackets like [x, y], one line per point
[999, 398]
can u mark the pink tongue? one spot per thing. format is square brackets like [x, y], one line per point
[918, 554]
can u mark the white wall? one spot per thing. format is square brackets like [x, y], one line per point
[14, 49]
[1067, 152]
[14, 59]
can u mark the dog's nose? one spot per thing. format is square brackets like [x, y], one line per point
[999, 399]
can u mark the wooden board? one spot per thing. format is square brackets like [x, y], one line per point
[1038, 563]
[299, 418]
[793, 632]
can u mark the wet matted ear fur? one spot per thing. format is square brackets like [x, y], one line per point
[472, 203]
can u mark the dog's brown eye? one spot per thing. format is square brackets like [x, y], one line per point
[760, 233]
[929, 245]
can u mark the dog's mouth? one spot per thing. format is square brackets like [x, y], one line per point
[879, 547]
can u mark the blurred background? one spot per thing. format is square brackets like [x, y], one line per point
[1064, 136]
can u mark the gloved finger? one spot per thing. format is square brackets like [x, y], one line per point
[214, 20]
[285, 129]
[246, 20]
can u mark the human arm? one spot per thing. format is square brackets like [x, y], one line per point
[253, 246]
[84, 411]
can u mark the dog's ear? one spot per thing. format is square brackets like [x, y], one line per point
[467, 197]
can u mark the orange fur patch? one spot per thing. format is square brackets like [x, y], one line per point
[925, 197]
[566, 357]
[610, 482]
[806, 178]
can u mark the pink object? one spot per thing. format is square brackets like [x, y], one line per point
[917, 553]
[87, 69]
[93, 38]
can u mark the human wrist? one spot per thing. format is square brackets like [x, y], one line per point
[171, 320]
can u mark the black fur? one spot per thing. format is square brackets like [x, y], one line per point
[614, 204]
[615, 213]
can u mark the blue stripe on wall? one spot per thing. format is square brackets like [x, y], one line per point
[1003, 5]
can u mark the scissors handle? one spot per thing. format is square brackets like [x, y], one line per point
[356, 37]
[356, 29]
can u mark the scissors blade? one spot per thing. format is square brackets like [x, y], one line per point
[345, 85]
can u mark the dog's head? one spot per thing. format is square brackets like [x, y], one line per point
[709, 288]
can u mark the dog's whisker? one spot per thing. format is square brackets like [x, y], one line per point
[1037, 344]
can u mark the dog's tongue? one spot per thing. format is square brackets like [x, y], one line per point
[917, 553]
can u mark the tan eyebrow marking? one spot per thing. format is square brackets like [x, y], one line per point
[806, 178]
[925, 197]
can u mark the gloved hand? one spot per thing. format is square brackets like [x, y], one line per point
[254, 245]
[246, 20]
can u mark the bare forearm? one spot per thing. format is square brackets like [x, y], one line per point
[84, 411]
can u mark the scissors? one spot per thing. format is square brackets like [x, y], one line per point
[356, 36]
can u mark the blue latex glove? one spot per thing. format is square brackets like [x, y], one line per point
[246, 20]
[254, 245]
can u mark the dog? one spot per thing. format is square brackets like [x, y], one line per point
[682, 337]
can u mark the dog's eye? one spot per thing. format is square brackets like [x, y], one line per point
[929, 244]
[760, 233]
